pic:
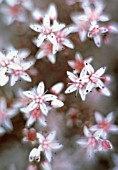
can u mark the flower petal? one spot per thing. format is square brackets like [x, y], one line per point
[71, 88]
[71, 76]
[98, 117]
[48, 155]
[56, 146]
[40, 88]
[49, 97]
[57, 103]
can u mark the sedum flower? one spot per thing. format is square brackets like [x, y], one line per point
[77, 84]
[5, 115]
[78, 63]
[39, 99]
[95, 79]
[47, 31]
[95, 32]
[104, 124]
[47, 144]
[29, 135]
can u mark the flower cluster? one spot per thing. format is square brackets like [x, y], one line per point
[13, 66]
[87, 80]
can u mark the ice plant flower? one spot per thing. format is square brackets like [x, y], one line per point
[77, 84]
[96, 32]
[91, 142]
[39, 99]
[104, 124]
[95, 79]
[78, 64]
[46, 31]
[5, 115]
[47, 144]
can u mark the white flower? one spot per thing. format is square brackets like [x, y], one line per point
[47, 31]
[95, 79]
[47, 144]
[3, 77]
[77, 84]
[104, 124]
[95, 32]
[12, 11]
[39, 99]
[5, 116]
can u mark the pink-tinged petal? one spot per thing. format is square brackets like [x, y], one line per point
[40, 54]
[104, 18]
[100, 84]
[46, 165]
[94, 128]
[40, 137]
[71, 76]
[2, 131]
[82, 142]
[56, 146]
[57, 27]
[49, 97]
[82, 94]
[52, 12]
[48, 155]
[68, 43]
[110, 117]
[105, 91]
[8, 125]
[71, 63]
[51, 37]
[27, 65]
[26, 77]
[113, 128]
[106, 145]
[30, 121]
[71, 88]
[51, 136]
[24, 53]
[29, 94]
[46, 21]
[83, 35]
[57, 88]
[36, 27]
[31, 106]
[57, 103]
[97, 40]
[86, 132]
[40, 39]
[44, 108]
[89, 68]
[98, 117]
[40, 88]
[100, 71]
[89, 87]
[42, 121]
[52, 58]
[3, 77]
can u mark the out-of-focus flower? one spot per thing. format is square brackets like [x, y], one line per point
[29, 135]
[78, 64]
[104, 124]
[95, 32]
[91, 142]
[5, 115]
[13, 11]
[77, 84]
[47, 144]
[46, 165]
[105, 145]
[39, 99]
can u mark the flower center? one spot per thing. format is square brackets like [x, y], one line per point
[104, 125]
[45, 145]
[47, 30]
[39, 99]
